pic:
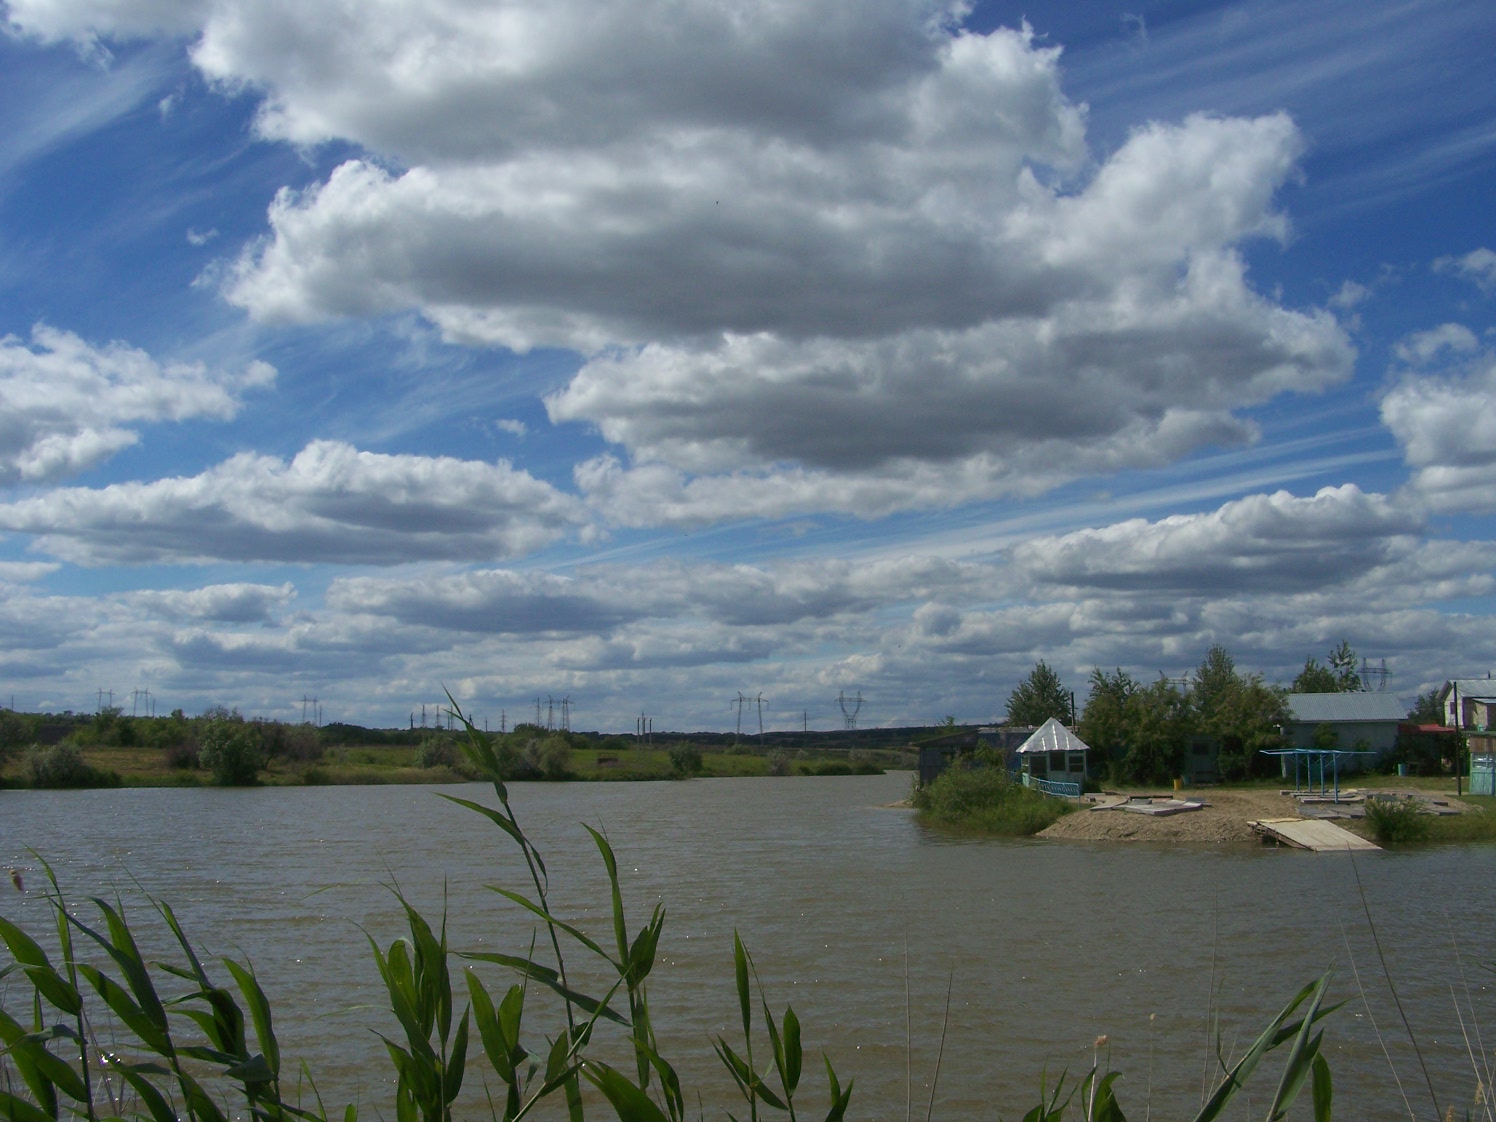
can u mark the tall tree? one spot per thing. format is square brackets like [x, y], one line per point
[1342, 675]
[1427, 710]
[1241, 711]
[1103, 723]
[1214, 683]
[1344, 664]
[1158, 729]
[1315, 678]
[1039, 697]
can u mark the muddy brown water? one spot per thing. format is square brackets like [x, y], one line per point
[1052, 943]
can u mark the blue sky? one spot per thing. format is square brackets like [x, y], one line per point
[649, 353]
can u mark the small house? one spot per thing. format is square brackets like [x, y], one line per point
[1053, 760]
[1372, 718]
[1469, 703]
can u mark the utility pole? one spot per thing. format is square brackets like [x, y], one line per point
[1458, 776]
[760, 702]
[503, 722]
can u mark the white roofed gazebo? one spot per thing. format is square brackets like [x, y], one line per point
[1053, 760]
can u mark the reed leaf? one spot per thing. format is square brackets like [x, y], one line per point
[629, 1102]
[17, 1109]
[259, 1012]
[548, 978]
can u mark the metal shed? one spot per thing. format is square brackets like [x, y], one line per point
[1483, 765]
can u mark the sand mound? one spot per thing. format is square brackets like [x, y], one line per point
[1223, 821]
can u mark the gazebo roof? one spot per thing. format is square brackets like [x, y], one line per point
[1052, 736]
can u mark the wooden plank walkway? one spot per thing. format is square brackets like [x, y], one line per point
[1315, 834]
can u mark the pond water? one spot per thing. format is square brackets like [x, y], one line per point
[846, 905]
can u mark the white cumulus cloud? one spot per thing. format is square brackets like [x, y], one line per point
[1443, 422]
[66, 405]
[843, 256]
[1277, 543]
[239, 602]
[331, 502]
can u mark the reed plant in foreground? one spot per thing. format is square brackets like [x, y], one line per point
[103, 1034]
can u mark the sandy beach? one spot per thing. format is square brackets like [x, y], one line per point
[1225, 819]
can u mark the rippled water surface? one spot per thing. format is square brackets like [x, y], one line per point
[1051, 944]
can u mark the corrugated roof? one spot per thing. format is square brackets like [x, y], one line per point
[1052, 736]
[1317, 708]
[1477, 689]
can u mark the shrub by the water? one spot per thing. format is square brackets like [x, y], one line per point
[685, 760]
[435, 751]
[63, 765]
[552, 757]
[231, 750]
[779, 763]
[181, 755]
[986, 799]
[826, 767]
[1396, 821]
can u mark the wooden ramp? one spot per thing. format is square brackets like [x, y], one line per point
[1315, 834]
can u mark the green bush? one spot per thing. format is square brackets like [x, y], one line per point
[290, 742]
[779, 763]
[15, 734]
[989, 801]
[435, 751]
[827, 767]
[232, 752]
[555, 758]
[181, 755]
[685, 760]
[1396, 821]
[63, 765]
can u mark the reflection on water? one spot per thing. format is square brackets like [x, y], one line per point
[1051, 944]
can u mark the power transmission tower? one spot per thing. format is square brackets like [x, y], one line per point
[850, 707]
[503, 722]
[537, 713]
[566, 713]
[1378, 674]
[759, 701]
[739, 702]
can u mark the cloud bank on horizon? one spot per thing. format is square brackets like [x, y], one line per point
[793, 345]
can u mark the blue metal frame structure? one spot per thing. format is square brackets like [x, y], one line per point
[1312, 756]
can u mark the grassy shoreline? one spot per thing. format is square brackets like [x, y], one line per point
[386, 764]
